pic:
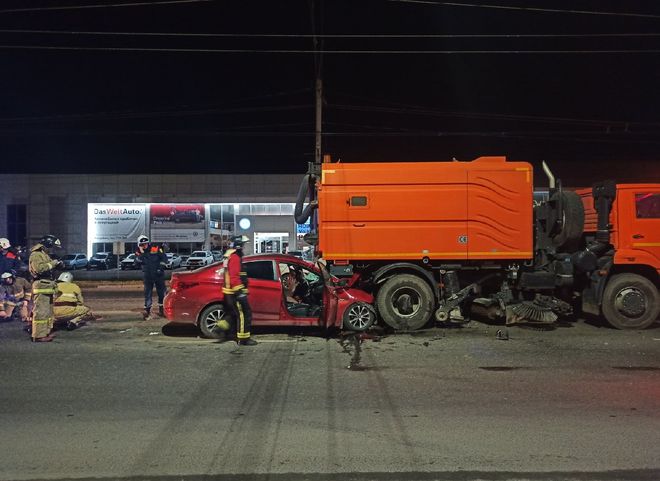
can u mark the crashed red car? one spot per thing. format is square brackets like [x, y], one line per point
[283, 291]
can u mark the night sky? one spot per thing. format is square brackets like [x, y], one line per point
[252, 110]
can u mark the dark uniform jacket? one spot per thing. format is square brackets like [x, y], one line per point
[9, 262]
[153, 261]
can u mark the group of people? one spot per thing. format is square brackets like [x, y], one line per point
[45, 303]
[48, 302]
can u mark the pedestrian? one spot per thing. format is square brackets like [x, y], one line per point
[17, 295]
[9, 260]
[42, 268]
[235, 291]
[154, 262]
[69, 307]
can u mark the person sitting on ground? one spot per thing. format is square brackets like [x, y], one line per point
[69, 308]
[16, 294]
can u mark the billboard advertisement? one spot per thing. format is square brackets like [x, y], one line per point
[116, 222]
[177, 222]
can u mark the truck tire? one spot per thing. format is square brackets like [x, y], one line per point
[208, 318]
[572, 215]
[405, 302]
[630, 301]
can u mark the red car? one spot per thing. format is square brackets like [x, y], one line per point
[283, 291]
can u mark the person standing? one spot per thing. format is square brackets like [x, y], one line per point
[235, 293]
[153, 261]
[9, 261]
[69, 306]
[44, 287]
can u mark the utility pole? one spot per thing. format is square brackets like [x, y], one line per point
[319, 118]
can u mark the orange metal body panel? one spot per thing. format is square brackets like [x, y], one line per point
[636, 241]
[479, 210]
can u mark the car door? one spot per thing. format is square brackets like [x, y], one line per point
[265, 290]
[330, 298]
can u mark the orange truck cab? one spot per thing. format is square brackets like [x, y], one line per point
[625, 288]
[444, 239]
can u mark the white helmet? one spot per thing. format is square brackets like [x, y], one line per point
[4, 243]
[65, 277]
[143, 239]
[6, 275]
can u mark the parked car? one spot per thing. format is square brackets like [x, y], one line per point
[184, 260]
[217, 255]
[74, 261]
[173, 260]
[189, 216]
[128, 263]
[199, 259]
[102, 260]
[284, 291]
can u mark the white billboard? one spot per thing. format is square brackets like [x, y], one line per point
[115, 222]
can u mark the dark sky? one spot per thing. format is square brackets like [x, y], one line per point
[253, 111]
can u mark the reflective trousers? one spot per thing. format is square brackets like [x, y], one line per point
[70, 313]
[239, 313]
[42, 311]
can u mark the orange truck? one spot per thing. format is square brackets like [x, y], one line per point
[443, 239]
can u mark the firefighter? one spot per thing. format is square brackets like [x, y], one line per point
[69, 307]
[235, 293]
[17, 295]
[44, 287]
[9, 261]
[154, 262]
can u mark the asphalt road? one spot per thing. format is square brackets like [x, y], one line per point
[128, 399]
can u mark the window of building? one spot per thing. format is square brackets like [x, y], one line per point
[647, 205]
[17, 224]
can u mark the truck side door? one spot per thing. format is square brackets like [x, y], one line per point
[638, 216]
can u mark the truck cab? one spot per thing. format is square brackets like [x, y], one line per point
[628, 285]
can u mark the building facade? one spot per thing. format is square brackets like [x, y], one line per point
[187, 212]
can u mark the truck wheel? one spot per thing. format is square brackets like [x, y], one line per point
[405, 302]
[568, 239]
[359, 317]
[630, 301]
[208, 319]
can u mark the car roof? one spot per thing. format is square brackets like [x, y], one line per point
[278, 258]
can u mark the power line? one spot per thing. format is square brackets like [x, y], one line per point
[336, 36]
[396, 107]
[340, 52]
[527, 9]
[108, 5]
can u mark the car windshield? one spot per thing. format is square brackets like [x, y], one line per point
[170, 256]
[100, 256]
[129, 257]
[198, 254]
[69, 257]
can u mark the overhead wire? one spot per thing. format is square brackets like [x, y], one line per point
[527, 9]
[106, 5]
[328, 36]
[331, 52]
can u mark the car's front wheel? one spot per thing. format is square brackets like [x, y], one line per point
[208, 320]
[359, 317]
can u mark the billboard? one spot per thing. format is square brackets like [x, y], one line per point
[115, 222]
[177, 222]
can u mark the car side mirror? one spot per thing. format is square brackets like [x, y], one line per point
[341, 283]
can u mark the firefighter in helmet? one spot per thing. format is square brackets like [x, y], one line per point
[42, 268]
[15, 294]
[69, 307]
[235, 293]
[8, 259]
[154, 262]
